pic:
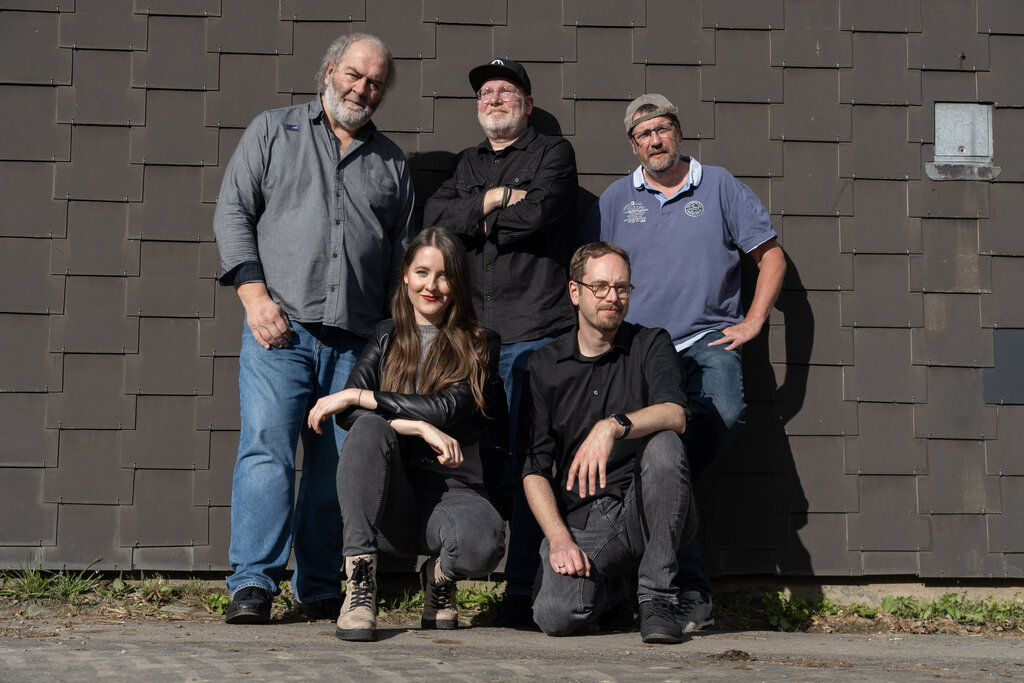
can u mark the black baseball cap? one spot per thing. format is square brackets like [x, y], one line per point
[499, 68]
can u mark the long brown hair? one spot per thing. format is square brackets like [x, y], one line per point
[459, 351]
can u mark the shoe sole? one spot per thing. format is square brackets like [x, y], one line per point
[662, 638]
[247, 618]
[356, 634]
[442, 625]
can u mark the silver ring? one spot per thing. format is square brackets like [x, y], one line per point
[561, 566]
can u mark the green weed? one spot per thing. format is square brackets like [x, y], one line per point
[217, 602]
[786, 614]
[71, 586]
[405, 602]
[481, 598]
[959, 608]
[862, 610]
[29, 583]
[115, 589]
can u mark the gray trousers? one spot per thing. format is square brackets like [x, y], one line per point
[641, 532]
[386, 506]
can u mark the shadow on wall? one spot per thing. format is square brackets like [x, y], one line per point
[751, 496]
[430, 169]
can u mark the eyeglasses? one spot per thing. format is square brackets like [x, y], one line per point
[644, 137]
[600, 289]
[506, 94]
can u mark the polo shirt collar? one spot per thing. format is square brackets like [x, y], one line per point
[696, 173]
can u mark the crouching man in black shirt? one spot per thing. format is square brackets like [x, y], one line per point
[605, 472]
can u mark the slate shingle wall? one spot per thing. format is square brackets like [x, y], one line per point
[884, 430]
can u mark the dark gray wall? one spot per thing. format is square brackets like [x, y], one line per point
[882, 438]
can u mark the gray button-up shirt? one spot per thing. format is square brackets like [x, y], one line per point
[326, 234]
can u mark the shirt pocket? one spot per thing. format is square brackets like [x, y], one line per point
[380, 191]
[469, 185]
[520, 178]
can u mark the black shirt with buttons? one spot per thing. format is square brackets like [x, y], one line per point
[568, 393]
[519, 267]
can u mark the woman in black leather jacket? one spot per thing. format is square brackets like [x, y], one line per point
[409, 476]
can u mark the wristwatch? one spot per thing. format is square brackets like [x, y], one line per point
[626, 423]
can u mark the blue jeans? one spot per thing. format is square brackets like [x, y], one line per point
[389, 506]
[524, 532]
[714, 385]
[641, 532]
[277, 388]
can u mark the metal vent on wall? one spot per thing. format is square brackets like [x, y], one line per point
[963, 143]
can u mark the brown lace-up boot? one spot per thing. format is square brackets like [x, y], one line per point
[439, 610]
[358, 618]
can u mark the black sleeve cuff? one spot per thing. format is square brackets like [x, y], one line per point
[249, 271]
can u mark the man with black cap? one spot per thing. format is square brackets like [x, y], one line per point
[684, 225]
[512, 201]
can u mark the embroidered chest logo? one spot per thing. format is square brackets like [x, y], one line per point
[693, 209]
[635, 212]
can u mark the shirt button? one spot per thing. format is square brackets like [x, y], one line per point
[488, 297]
[337, 222]
[497, 161]
[333, 288]
[334, 256]
[490, 266]
[595, 390]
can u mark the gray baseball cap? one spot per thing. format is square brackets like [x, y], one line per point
[664, 108]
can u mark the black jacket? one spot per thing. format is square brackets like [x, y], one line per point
[453, 410]
[519, 267]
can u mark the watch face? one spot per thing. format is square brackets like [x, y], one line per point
[623, 420]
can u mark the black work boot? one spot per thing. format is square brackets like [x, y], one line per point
[250, 605]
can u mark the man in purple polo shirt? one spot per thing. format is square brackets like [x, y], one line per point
[685, 226]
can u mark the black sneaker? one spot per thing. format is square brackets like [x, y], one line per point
[695, 611]
[658, 622]
[327, 609]
[516, 612]
[250, 605]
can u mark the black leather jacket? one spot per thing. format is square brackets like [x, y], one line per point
[453, 410]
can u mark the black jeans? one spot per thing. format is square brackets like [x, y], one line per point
[642, 532]
[384, 508]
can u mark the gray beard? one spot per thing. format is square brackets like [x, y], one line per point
[666, 165]
[343, 115]
[509, 129]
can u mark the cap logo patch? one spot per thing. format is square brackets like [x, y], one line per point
[498, 62]
[634, 212]
[693, 209]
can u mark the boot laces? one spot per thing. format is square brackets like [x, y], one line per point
[442, 595]
[362, 584]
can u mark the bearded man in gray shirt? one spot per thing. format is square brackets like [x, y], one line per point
[313, 217]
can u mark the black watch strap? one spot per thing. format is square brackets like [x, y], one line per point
[626, 423]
